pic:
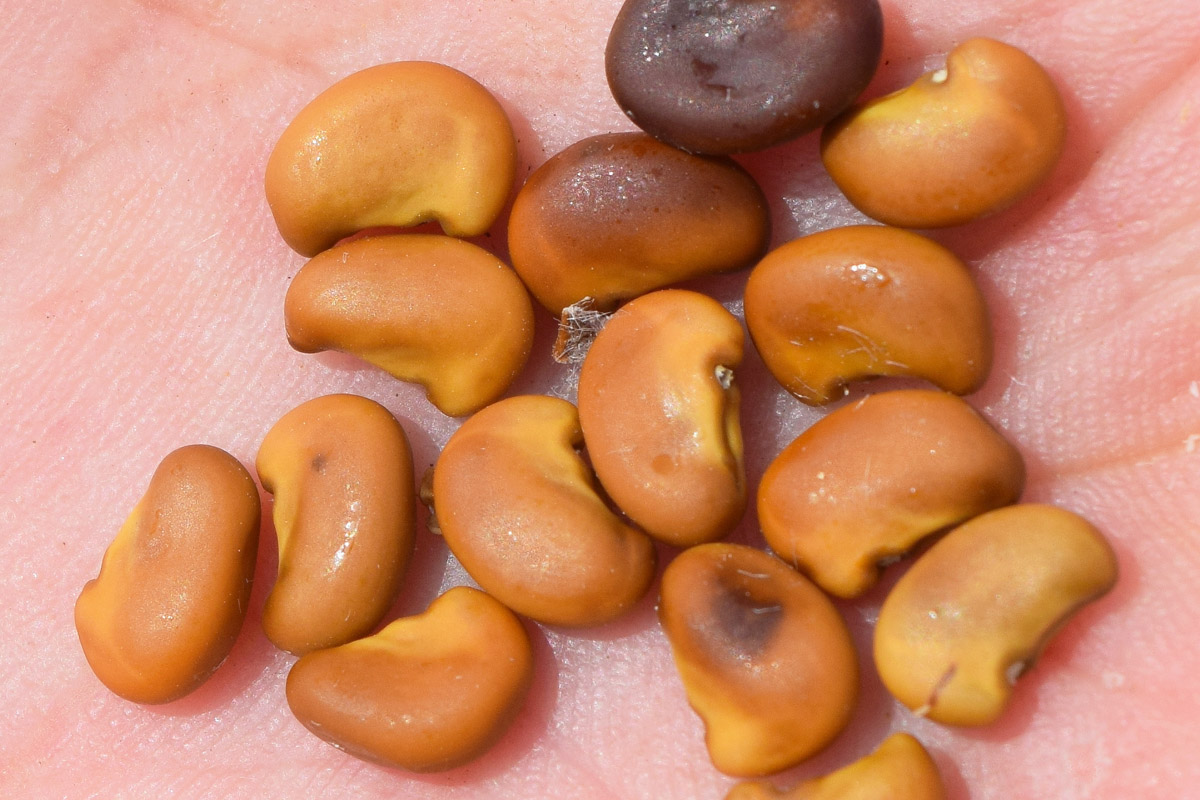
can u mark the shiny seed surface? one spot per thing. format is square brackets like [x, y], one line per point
[765, 658]
[862, 301]
[341, 471]
[729, 77]
[174, 587]
[431, 310]
[899, 769]
[960, 143]
[394, 145]
[976, 610]
[517, 506]
[659, 408]
[617, 215]
[866, 483]
[427, 693]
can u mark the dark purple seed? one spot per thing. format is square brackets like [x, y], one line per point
[730, 76]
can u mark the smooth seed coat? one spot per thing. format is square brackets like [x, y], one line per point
[175, 583]
[342, 475]
[961, 143]
[869, 481]
[862, 301]
[427, 309]
[618, 215]
[394, 145]
[517, 506]
[977, 608]
[659, 411]
[426, 693]
[765, 658]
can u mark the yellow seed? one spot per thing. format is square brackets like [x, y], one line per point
[518, 508]
[976, 610]
[175, 584]
[426, 693]
[659, 410]
[867, 482]
[342, 475]
[393, 145]
[765, 658]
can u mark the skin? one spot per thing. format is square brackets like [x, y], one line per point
[142, 310]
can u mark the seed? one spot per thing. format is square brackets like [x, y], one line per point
[175, 583]
[618, 215]
[517, 506]
[393, 145]
[900, 769]
[977, 609]
[659, 411]
[958, 144]
[426, 693]
[718, 77]
[870, 480]
[427, 309]
[863, 301]
[342, 475]
[765, 658]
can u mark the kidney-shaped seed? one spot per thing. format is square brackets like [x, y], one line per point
[867, 482]
[899, 769]
[975, 611]
[864, 301]
[427, 309]
[517, 506]
[962, 142]
[175, 583]
[426, 693]
[730, 77]
[396, 144]
[342, 475]
[765, 658]
[659, 411]
[617, 215]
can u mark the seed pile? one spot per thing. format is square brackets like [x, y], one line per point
[764, 656]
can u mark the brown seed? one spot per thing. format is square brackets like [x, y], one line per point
[427, 309]
[866, 483]
[765, 658]
[960, 143]
[396, 144]
[717, 77]
[175, 583]
[863, 301]
[900, 769]
[342, 475]
[975, 611]
[618, 215]
[426, 693]
[659, 411]
[518, 508]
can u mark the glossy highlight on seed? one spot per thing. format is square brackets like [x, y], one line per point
[617, 215]
[862, 301]
[174, 587]
[865, 484]
[427, 693]
[518, 507]
[975, 611]
[717, 77]
[431, 310]
[393, 145]
[765, 658]
[899, 769]
[960, 143]
[341, 471]
[659, 407]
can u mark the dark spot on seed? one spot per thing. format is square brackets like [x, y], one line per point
[745, 622]
[318, 463]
